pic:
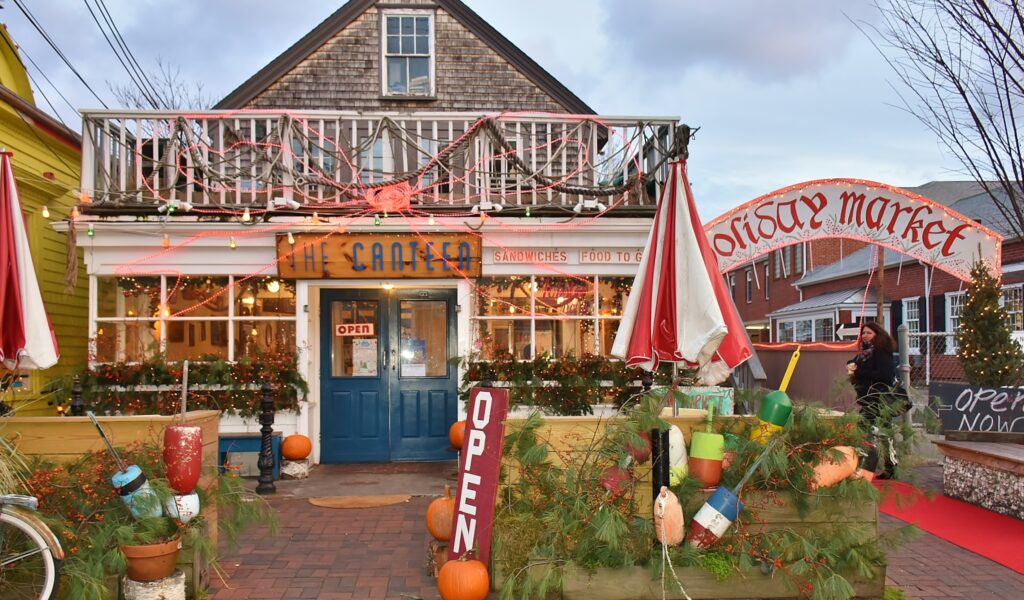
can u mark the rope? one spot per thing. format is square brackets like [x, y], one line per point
[262, 162]
[71, 268]
[665, 558]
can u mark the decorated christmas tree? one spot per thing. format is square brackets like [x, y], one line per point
[989, 355]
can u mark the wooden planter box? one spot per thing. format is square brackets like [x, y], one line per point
[65, 439]
[639, 583]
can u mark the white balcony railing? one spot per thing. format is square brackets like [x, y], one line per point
[141, 160]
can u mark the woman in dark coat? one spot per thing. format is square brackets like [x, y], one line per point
[872, 373]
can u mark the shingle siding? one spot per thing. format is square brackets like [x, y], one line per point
[344, 74]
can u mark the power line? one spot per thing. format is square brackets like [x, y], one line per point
[35, 23]
[130, 55]
[17, 53]
[136, 77]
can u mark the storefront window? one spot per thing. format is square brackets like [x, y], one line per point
[199, 319]
[128, 297]
[503, 296]
[562, 320]
[564, 296]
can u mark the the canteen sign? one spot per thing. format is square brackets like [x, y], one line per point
[479, 470]
[979, 408]
[856, 209]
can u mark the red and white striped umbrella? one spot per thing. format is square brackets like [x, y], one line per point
[27, 340]
[680, 309]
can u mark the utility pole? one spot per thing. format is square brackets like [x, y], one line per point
[880, 314]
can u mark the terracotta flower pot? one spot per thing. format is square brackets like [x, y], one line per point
[151, 562]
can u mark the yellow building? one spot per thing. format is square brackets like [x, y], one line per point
[47, 160]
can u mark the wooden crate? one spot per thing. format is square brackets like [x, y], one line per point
[641, 583]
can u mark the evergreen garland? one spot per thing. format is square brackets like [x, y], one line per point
[987, 351]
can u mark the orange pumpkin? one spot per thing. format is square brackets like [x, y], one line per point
[440, 514]
[457, 434]
[831, 471]
[296, 447]
[463, 580]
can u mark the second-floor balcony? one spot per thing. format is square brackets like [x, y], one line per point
[140, 162]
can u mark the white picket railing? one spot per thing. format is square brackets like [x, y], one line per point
[282, 160]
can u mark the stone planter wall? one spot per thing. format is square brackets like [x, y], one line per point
[997, 490]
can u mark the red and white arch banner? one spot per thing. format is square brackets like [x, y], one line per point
[855, 209]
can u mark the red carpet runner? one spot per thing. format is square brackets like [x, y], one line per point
[997, 537]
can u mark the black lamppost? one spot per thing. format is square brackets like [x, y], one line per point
[659, 448]
[77, 404]
[265, 481]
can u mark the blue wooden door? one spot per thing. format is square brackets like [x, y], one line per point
[354, 377]
[424, 397]
[387, 390]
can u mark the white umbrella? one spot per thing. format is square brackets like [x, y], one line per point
[27, 340]
[679, 309]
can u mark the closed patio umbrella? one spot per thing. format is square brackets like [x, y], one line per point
[27, 340]
[680, 309]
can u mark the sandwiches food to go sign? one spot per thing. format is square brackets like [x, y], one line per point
[353, 329]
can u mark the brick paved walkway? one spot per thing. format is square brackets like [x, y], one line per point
[381, 553]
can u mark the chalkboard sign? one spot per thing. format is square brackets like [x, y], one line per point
[978, 408]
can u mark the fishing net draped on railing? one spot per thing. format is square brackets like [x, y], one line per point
[340, 160]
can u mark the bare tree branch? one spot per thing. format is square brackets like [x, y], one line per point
[172, 92]
[961, 64]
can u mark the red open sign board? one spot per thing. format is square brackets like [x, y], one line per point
[479, 470]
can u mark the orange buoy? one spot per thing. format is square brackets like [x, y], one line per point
[457, 434]
[296, 447]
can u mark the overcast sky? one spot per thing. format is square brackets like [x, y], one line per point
[783, 91]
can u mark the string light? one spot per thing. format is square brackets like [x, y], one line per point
[430, 221]
[232, 243]
[75, 213]
[376, 220]
[84, 198]
[166, 242]
[90, 231]
[46, 212]
[291, 239]
[246, 217]
[527, 211]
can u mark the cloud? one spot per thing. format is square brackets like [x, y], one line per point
[765, 41]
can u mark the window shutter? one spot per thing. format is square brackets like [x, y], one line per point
[896, 315]
[939, 322]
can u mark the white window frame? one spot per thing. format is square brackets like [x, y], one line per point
[732, 285]
[750, 285]
[1016, 289]
[597, 319]
[912, 319]
[232, 318]
[406, 12]
[953, 320]
[767, 278]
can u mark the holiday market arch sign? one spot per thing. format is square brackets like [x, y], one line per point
[854, 209]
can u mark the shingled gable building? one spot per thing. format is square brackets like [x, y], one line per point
[403, 185]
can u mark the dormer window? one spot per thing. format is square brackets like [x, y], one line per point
[408, 53]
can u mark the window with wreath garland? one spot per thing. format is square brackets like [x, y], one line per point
[527, 316]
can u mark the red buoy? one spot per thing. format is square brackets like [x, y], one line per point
[183, 456]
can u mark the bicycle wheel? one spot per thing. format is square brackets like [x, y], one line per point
[28, 570]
